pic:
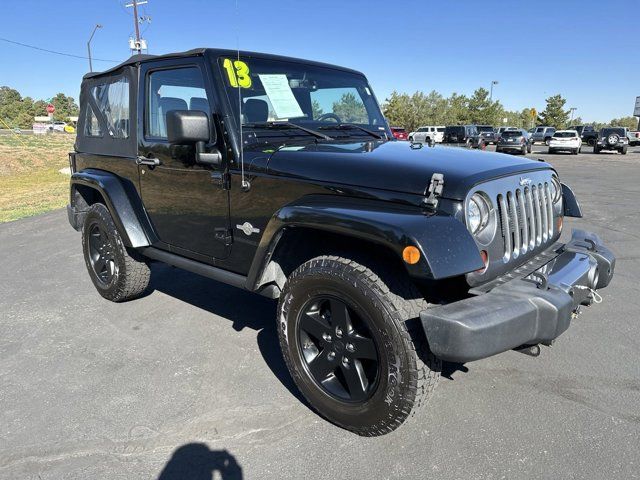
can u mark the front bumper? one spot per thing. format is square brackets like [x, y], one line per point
[533, 307]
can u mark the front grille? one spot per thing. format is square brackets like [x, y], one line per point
[526, 218]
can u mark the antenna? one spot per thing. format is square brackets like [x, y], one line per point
[245, 185]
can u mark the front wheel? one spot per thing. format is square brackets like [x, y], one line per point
[623, 150]
[354, 346]
[547, 141]
[116, 274]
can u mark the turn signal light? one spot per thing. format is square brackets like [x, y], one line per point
[485, 259]
[411, 255]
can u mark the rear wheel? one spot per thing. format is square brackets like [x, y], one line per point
[547, 141]
[353, 344]
[591, 142]
[575, 151]
[623, 150]
[596, 149]
[116, 274]
[551, 151]
[523, 150]
[529, 148]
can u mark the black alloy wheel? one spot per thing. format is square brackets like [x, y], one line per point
[337, 349]
[101, 255]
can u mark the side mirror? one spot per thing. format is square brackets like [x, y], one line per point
[191, 127]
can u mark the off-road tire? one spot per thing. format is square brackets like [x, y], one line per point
[408, 370]
[131, 274]
[623, 150]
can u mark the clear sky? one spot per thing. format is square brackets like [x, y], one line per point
[588, 51]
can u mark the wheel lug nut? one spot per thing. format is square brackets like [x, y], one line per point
[331, 355]
[338, 332]
[326, 337]
[345, 361]
[350, 347]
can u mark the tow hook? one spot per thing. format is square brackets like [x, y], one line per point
[531, 350]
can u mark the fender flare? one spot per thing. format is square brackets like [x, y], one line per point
[447, 249]
[123, 203]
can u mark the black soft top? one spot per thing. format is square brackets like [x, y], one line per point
[135, 60]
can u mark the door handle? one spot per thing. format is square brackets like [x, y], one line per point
[152, 162]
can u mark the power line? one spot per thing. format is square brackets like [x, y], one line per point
[56, 53]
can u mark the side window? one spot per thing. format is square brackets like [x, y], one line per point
[113, 100]
[175, 89]
[91, 125]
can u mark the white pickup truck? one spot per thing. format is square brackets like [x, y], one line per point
[427, 133]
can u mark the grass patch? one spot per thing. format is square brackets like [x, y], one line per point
[30, 181]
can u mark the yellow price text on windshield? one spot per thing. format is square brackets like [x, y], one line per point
[238, 73]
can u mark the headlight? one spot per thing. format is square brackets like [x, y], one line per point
[477, 213]
[556, 189]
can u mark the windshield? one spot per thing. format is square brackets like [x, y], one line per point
[565, 135]
[309, 96]
[511, 133]
[485, 128]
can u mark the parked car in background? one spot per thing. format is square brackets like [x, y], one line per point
[565, 141]
[515, 141]
[462, 136]
[542, 135]
[399, 133]
[503, 129]
[488, 134]
[634, 138]
[427, 133]
[587, 133]
[612, 138]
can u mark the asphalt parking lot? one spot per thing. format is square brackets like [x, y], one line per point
[188, 381]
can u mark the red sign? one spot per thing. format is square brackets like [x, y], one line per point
[51, 108]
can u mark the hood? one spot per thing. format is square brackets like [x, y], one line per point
[395, 166]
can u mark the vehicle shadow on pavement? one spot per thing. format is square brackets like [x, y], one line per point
[243, 309]
[194, 461]
[449, 368]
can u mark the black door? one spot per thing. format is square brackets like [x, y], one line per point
[185, 201]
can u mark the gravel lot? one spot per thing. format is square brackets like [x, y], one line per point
[189, 380]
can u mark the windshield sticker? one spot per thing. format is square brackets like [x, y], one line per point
[238, 73]
[284, 103]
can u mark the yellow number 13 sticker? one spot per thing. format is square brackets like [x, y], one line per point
[238, 73]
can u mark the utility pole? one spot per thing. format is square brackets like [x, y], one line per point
[493, 82]
[134, 4]
[89, 45]
[572, 109]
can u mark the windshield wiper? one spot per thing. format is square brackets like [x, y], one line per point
[346, 126]
[310, 131]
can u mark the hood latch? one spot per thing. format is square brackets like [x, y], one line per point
[434, 190]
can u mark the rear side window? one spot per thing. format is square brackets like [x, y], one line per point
[173, 89]
[112, 99]
[91, 124]
[440, 129]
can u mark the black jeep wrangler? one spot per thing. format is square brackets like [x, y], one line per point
[281, 176]
[612, 138]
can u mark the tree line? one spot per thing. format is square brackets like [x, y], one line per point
[412, 111]
[17, 111]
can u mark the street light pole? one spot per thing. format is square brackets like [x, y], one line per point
[493, 82]
[89, 45]
[572, 109]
